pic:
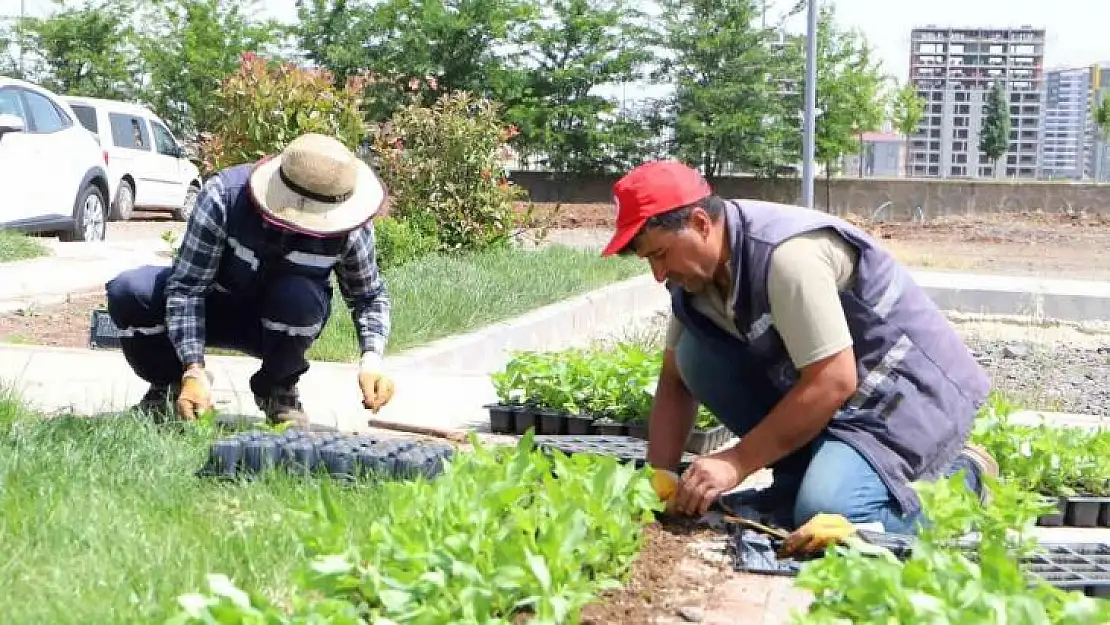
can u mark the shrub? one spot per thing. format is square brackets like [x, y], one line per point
[443, 167]
[399, 241]
[268, 104]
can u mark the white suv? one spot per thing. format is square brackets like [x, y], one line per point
[53, 177]
[146, 164]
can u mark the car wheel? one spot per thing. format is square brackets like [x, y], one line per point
[125, 202]
[90, 219]
[182, 214]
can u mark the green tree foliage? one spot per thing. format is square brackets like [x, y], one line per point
[994, 136]
[907, 109]
[86, 50]
[577, 46]
[729, 107]
[189, 47]
[431, 45]
[850, 93]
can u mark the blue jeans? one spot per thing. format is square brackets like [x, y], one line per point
[827, 475]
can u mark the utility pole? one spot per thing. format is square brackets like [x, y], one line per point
[19, 33]
[809, 120]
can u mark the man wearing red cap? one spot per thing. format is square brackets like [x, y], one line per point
[811, 343]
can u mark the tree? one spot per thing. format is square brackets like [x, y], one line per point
[87, 51]
[729, 106]
[1102, 127]
[907, 110]
[578, 46]
[190, 46]
[994, 135]
[435, 45]
[850, 92]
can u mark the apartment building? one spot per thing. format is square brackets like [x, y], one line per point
[1073, 147]
[953, 70]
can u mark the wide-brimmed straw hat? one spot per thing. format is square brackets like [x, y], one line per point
[317, 186]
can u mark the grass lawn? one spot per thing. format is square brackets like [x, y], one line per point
[17, 246]
[103, 521]
[439, 296]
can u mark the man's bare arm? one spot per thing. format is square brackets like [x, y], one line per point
[672, 416]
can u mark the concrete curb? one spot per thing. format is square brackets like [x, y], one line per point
[577, 321]
[1039, 298]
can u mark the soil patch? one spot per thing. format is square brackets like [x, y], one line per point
[669, 581]
[57, 325]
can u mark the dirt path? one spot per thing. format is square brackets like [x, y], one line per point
[1029, 244]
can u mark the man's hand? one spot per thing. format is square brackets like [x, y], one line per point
[818, 533]
[196, 393]
[704, 481]
[377, 389]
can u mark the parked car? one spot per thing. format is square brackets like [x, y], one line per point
[148, 166]
[53, 175]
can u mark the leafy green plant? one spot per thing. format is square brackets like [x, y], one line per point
[940, 582]
[617, 383]
[266, 105]
[1052, 461]
[501, 533]
[444, 167]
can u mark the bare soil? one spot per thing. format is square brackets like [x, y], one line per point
[60, 325]
[1055, 245]
[683, 574]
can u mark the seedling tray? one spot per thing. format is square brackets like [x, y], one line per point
[624, 448]
[1079, 512]
[103, 333]
[340, 456]
[1079, 566]
[518, 419]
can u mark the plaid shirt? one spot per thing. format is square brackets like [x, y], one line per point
[198, 260]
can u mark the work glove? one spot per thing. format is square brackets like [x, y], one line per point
[818, 533]
[665, 484]
[196, 393]
[377, 389]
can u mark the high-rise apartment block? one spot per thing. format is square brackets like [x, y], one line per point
[953, 70]
[1073, 146]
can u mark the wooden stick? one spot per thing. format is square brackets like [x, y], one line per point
[451, 434]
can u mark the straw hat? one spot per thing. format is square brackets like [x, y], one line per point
[317, 186]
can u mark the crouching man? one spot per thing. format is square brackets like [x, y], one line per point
[809, 342]
[252, 275]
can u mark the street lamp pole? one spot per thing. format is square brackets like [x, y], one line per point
[809, 120]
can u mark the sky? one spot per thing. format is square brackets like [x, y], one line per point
[1078, 31]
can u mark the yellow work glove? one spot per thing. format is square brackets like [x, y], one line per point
[817, 534]
[377, 389]
[665, 483]
[196, 393]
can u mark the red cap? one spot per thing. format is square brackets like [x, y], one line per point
[649, 190]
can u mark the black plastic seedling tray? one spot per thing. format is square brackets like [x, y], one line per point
[1080, 566]
[103, 333]
[518, 419]
[1079, 512]
[624, 448]
[340, 456]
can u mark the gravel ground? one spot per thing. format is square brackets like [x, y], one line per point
[1056, 367]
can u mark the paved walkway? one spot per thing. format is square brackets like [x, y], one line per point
[90, 382]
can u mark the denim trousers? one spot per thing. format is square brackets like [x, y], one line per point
[826, 475]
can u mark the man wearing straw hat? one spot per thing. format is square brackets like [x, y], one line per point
[252, 275]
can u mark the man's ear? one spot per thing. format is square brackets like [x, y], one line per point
[700, 222]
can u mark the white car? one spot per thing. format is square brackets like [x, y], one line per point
[53, 177]
[146, 163]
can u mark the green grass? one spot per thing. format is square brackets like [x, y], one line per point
[438, 296]
[15, 246]
[104, 521]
